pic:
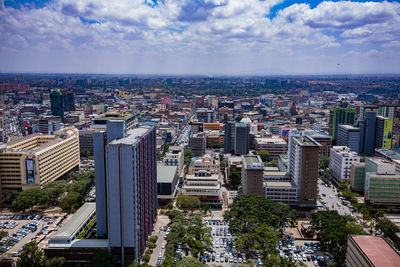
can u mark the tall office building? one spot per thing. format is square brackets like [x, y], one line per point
[131, 181]
[69, 100]
[242, 131]
[303, 167]
[340, 116]
[252, 175]
[388, 110]
[57, 104]
[383, 132]
[349, 136]
[367, 134]
[229, 137]
[341, 160]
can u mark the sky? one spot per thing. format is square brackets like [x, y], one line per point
[207, 37]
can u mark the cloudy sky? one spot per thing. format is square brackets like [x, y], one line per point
[213, 37]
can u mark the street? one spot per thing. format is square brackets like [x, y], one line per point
[330, 198]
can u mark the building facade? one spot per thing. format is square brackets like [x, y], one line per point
[340, 116]
[252, 175]
[341, 160]
[205, 186]
[383, 132]
[275, 146]
[285, 192]
[357, 176]
[349, 136]
[242, 131]
[367, 134]
[197, 143]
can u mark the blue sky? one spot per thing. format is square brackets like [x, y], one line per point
[213, 37]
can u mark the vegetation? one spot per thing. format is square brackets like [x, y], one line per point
[326, 176]
[188, 203]
[264, 154]
[71, 202]
[192, 262]
[272, 163]
[146, 257]
[332, 232]
[217, 144]
[235, 178]
[31, 256]
[85, 153]
[188, 155]
[3, 234]
[57, 262]
[324, 162]
[191, 233]
[389, 230]
[87, 227]
[29, 198]
[256, 220]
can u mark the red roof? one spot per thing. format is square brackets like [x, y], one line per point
[378, 251]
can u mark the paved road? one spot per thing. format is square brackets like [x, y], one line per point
[330, 196]
[162, 220]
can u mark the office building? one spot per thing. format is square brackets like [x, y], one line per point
[167, 182]
[196, 126]
[281, 191]
[387, 110]
[341, 160]
[37, 159]
[69, 100]
[252, 175]
[204, 185]
[357, 176]
[324, 140]
[340, 116]
[303, 167]
[367, 134]
[349, 136]
[242, 131]
[197, 143]
[86, 140]
[379, 165]
[383, 132]
[175, 157]
[391, 155]
[100, 122]
[368, 108]
[370, 251]
[275, 146]
[229, 134]
[57, 104]
[207, 162]
[131, 190]
[49, 125]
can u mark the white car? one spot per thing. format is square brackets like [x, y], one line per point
[163, 245]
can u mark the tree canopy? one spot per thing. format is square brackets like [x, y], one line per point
[187, 202]
[235, 177]
[31, 256]
[324, 162]
[264, 154]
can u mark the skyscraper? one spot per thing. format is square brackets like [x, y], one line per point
[340, 116]
[303, 167]
[367, 134]
[228, 138]
[383, 132]
[349, 136]
[57, 104]
[242, 131]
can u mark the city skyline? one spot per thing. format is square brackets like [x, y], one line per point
[208, 37]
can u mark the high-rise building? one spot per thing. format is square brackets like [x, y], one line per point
[349, 136]
[197, 143]
[368, 108]
[49, 125]
[242, 131]
[252, 175]
[57, 104]
[131, 181]
[35, 160]
[69, 100]
[388, 110]
[324, 140]
[367, 134]
[357, 176]
[229, 137]
[383, 132]
[303, 167]
[341, 160]
[340, 116]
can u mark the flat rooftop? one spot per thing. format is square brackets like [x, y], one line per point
[274, 173]
[306, 141]
[377, 250]
[76, 221]
[388, 153]
[349, 127]
[270, 140]
[253, 162]
[166, 174]
[279, 184]
[132, 136]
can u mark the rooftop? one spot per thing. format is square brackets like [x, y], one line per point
[132, 136]
[114, 114]
[166, 174]
[388, 153]
[306, 141]
[270, 140]
[253, 162]
[80, 218]
[349, 127]
[380, 253]
[279, 184]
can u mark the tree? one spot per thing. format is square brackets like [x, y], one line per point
[235, 178]
[276, 261]
[3, 234]
[272, 163]
[332, 232]
[192, 262]
[188, 202]
[71, 202]
[146, 257]
[175, 215]
[103, 259]
[85, 153]
[150, 245]
[54, 189]
[57, 262]
[31, 256]
[223, 164]
[169, 206]
[324, 162]
[153, 238]
[29, 198]
[166, 147]
[326, 176]
[188, 155]
[264, 154]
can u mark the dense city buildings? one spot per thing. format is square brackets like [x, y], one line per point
[275, 146]
[197, 143]
[340, 116]
[383, 132]
[37, 159]
[367, 134]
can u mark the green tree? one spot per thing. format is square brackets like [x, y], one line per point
[31, 256]
[166, 147]
[57, 262]
[103, 259]
[150, 245]
[71, 202]
[188, 202]
[192, 262]
[188, 155]
[169, 206]
[326, 176]
[272, 163]
[54, 189]
[3, 234]
[276, 261]
[223, 164]
[324, 162]
[85, 153]
[388, 228]
[175, 215]
[146, 257]
[332, 232]
[153, 238]
[235, 177]
[264, 154]
[30, 197]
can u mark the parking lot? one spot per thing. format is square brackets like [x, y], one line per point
[24, 228]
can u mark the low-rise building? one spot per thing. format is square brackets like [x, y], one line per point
[175, 157]
[275, 146]
[281, 191]
[197, 143]
[204, 185]
[370, 251]
[341, 160]
[208, 163]
[167, 182]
